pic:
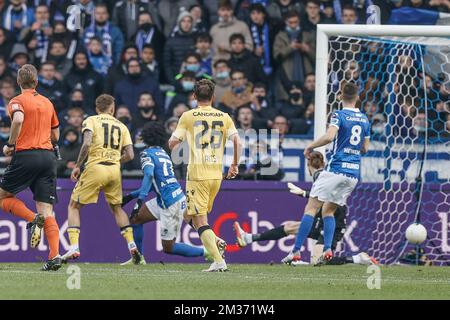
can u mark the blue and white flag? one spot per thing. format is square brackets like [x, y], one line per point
[412, 16]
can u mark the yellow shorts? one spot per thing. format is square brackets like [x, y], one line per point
[200, 196]
[96, 178]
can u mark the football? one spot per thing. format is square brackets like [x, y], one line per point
[416, 233]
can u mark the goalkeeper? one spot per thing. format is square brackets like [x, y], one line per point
[315, 167]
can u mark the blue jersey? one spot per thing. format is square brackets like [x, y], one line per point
[353, 127]
[158, 167]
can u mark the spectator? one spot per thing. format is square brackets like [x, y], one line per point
[245, 119]
[200, 25]
[314, 16]
[203, 49]
[378, 126]
[5, 129]
[304, 125]
[19, 57]
[179, 109]
[151, 66]
[170, 12]
[6, 42]
[147, 111]
[70, 148]
[192, 63]
[74, 118]
[309, 88]
[171, 125]
[119, 71]
[222, 31]
[123, 114]
[99, 60]
[293, 107]
[58, 55]
[51, 87]
[83, 77]
[7, 92]
[239, 94]
[295, 50]
[245, 60]
[126, 15]
[148, 34]
[281, 124]
[69, 39]
[17, 16]
[37, 36]
[183, 89]
[349, 15]
[263, 34]
[278, 9]
[128, 89]
[222, 79]
[260, 104]
[5, 72]
[110, 35]
[178, 46]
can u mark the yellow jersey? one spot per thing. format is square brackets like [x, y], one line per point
[206, 130]
[109, 137]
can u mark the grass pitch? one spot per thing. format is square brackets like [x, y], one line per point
[185, 281]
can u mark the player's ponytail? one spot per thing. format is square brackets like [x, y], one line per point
[316, 160]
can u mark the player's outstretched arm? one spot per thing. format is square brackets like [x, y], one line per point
[328, 137]
[233, 171]
[87, 141]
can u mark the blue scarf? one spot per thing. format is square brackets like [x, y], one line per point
[262, 40]
[42, 45]
[143, 38]
[103, 33]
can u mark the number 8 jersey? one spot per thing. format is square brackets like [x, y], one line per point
[353, 127]
[206, 130]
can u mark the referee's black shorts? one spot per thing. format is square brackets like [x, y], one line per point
[34, 169]
[317, 229]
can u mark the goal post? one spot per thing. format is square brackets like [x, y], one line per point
[403, 73]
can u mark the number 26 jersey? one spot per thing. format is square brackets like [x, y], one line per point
[353, 127]
[206, 130]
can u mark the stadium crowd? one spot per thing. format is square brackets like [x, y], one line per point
[148, 54]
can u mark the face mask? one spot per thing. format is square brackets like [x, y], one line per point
[193, 104]
[260, 99]
[135, 75]
[193, 67]
[4, 135]
[239, 90]
[68, 143]
[146, 109]
[296, 96]
[378, 129]
[78, 104]
[420, 128]
[146, 27]
[223, 75]
[124, 120]
[187, 85]
[290, 30]
[139, 145]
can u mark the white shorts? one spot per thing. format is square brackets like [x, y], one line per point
[170, 219]
[332, 187]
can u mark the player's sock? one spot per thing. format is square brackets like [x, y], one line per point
[185, 250]
[329, 226]
[127, 233]
[51, 231]
[303, 231]
[138, 234]
[17, 208]
[340, 260]
[273, 234]
[74, 236]
[209, 241]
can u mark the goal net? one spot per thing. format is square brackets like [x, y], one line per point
[404, 87]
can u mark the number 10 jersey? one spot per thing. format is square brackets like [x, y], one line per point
[353, 128]
[206, 131]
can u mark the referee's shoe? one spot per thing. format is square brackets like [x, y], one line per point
[53, 264]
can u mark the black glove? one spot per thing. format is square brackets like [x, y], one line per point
[126, 199]
[136, 209]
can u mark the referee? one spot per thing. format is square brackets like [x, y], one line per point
[34, 129]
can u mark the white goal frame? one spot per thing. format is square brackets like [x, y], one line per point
[325, 31]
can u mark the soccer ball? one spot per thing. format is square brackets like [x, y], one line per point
[416, 233]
